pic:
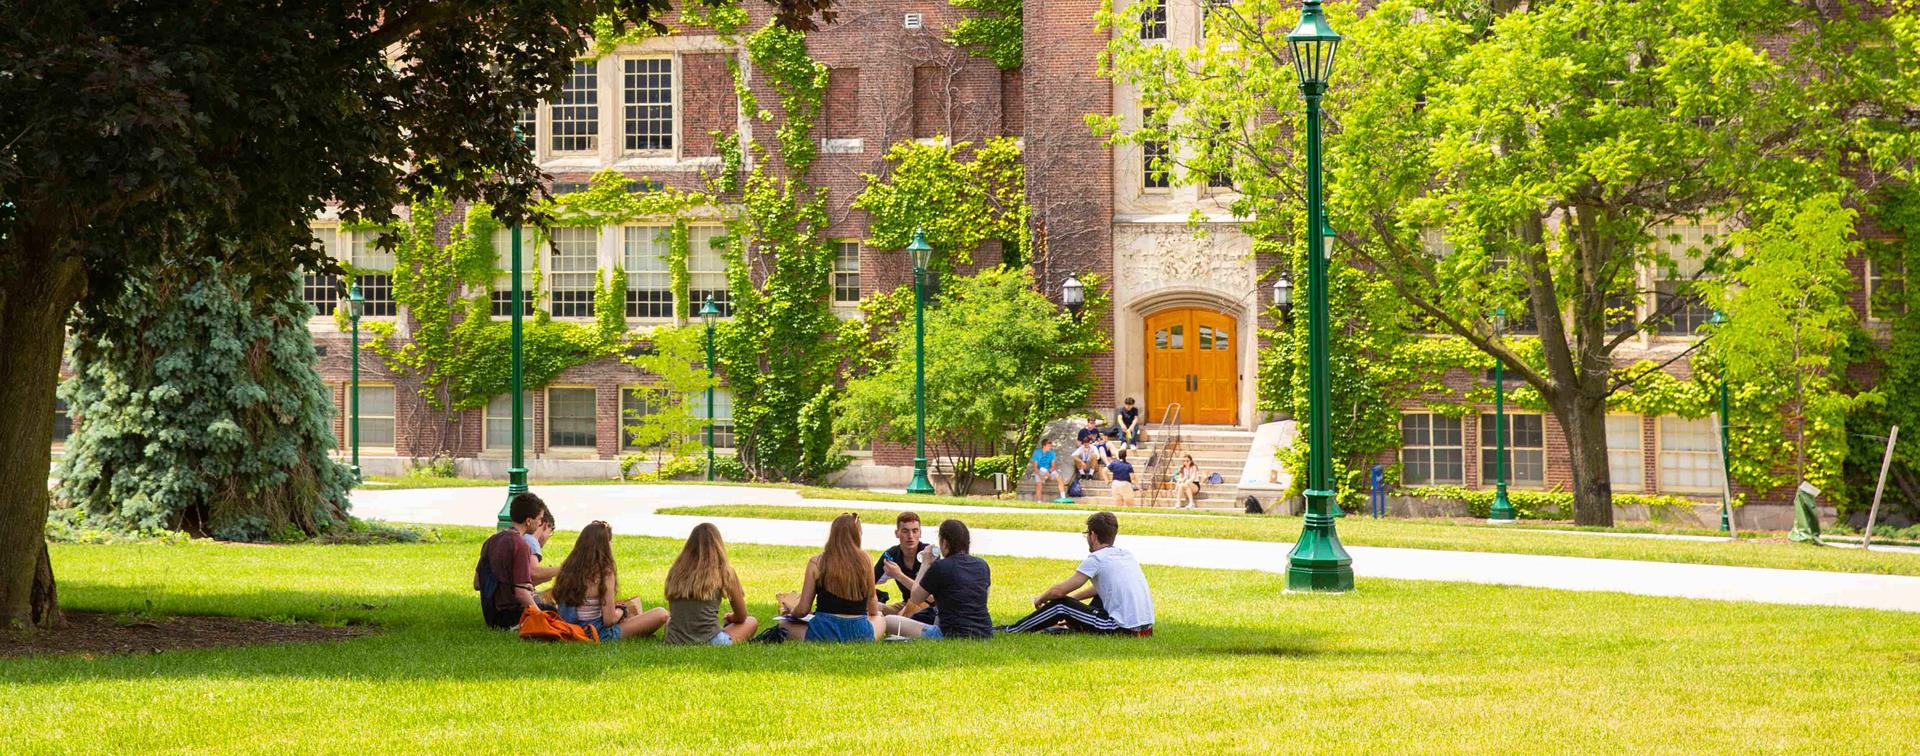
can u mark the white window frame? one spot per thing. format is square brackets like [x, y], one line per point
[673, 104]
[1867, 281]
[598, 120]
[647, 264]
[558, 450]
[489, 416]
[627, 396]
[840, 246]
[1489, 449]
[1459, 446]
[1146, 160]
[530, 247]
[362, 251]
[698, 277]
[1639, 452]
[1163, 23]
[1692, 238]
[1716, 471]
[393, 418]
[723, 427]
[555, 275]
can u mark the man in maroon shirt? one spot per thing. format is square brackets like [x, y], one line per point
[504, 574]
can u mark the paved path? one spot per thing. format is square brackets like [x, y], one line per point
[630, 510]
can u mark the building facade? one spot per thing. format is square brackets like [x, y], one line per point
[1187, 307]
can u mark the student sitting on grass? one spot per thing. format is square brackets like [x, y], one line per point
[588, 582]
[1121, 602]
[537, 543]
[903, 563]
[839, 588]
[504, 574]
[696, 583]
[959, 581]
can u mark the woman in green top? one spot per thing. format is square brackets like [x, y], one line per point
[699, 578]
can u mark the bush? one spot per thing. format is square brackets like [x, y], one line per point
[440, 466]
[1536, 505]
[73, 525]
[1010, 465]
[358, 532]
[695, 468]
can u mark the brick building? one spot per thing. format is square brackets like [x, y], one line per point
[1186, 310]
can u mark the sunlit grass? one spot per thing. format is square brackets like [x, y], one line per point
[1236, 665]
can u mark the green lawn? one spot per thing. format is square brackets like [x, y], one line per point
[1237, 665]
[1412, 534]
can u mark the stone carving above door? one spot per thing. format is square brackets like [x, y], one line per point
[1172, 256]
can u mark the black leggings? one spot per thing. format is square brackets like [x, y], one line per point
[1086, 618]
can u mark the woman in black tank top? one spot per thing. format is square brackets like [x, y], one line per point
[839, 588]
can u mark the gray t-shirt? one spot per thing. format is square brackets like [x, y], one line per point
[691, 622]
[1121, 585]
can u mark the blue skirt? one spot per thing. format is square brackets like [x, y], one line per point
[833, 628]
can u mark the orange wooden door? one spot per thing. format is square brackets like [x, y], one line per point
[1169, 337]
[1216, 372]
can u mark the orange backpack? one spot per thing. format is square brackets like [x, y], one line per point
[547, 626]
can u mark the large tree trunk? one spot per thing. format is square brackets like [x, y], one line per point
[37, 293]
[1584, 420]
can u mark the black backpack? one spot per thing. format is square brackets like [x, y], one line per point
[1253, 506]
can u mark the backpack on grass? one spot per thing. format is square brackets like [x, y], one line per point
[547, 626]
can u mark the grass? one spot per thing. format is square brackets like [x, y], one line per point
[1412, 534]
[1237, 665]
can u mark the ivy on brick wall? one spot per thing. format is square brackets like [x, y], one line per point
[961, 196]
[995, 30]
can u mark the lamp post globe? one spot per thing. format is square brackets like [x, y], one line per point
[922, 256]
[1073, 294]
[1502, 511]
[1318, 562]
[709, 312]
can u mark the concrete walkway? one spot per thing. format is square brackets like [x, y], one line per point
[630, 510]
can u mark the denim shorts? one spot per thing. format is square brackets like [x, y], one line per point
[721, 639]
[832, 628]
[932, 632]
[606, 632]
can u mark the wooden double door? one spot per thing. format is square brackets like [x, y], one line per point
[1191, 360]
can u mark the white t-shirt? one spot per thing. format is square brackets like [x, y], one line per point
[1121, 585]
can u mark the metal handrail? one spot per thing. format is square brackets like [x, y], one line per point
[1157, 463]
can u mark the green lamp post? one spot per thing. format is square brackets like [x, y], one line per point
[1502, 512]
[709, 312]
[1726, 449]
[1318, 562]
[517, 473]
[354, 302]
[922, 254]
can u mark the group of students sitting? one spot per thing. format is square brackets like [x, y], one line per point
[1102, 454]
[944, 587]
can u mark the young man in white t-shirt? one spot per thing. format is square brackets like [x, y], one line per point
[1121, 602]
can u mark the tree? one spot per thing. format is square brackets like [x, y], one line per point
[1791, 319]
[673, 424]
[137, 128]
[1549, 143]
[212, 420]
[996, 354]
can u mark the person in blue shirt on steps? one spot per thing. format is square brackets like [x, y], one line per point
[1043, 471]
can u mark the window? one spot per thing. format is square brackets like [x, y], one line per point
[499, 422]
[1154, 158]
[529, 123]
[649, 279]
[574, 270]
[62, 422]
[1625, 464]
[1685, 245]
[376, 416]
[322, 290]
[722, 413]
[1434, 242]
[707, 269]
[1153, 21]
[840, 116]
[1886, 288]
[502, 294]
[1210, 339]
[930, 93]
[635, 404]
[576, 115]
[846, 273]
[1221, 150]
[1430, 450]
[572, 419]
[1526, 451]
[649, 103]
[376, 284]
[1689, 456]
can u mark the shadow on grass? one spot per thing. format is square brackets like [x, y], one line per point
[434, 638]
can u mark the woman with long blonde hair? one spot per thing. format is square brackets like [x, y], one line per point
[696, 582]
[839, 588]
[587, 584]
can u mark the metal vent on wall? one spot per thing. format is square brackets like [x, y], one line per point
[913, 21]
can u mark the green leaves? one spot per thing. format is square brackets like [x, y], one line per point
[960, 203]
